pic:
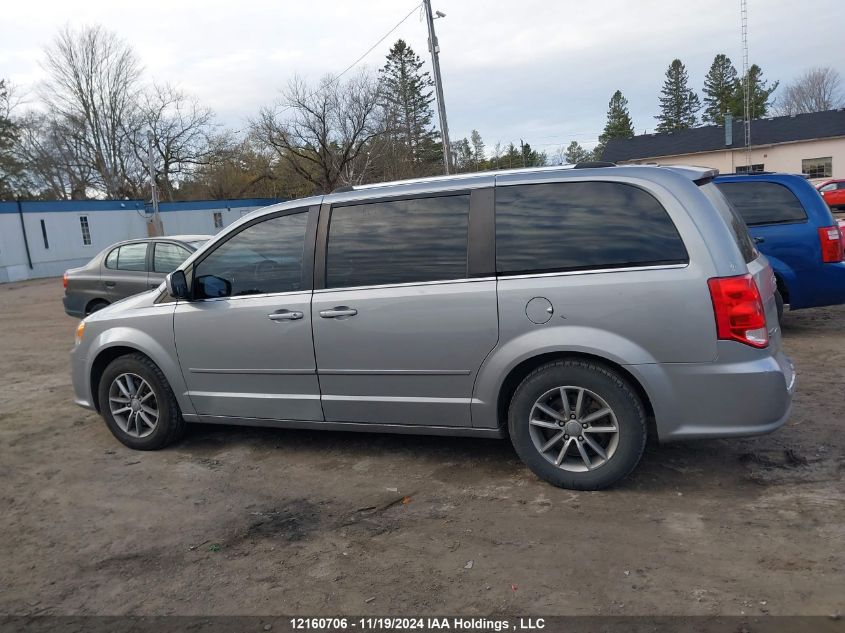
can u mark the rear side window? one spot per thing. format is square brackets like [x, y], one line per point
[582, 225]
[732, 218]
[763, 202]
[131, 257]
[399, 241]
[167, 257]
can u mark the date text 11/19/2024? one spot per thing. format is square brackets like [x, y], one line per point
[416, 624]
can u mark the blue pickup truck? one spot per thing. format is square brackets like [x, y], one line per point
[795, 230]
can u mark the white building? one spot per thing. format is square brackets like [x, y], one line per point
[44, 238]
[809, 144]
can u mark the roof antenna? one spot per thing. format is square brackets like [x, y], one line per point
[746, 87]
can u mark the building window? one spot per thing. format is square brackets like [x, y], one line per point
[750, 169]
[44, 234]
[218, 220]
[817, 167]
[86, 230]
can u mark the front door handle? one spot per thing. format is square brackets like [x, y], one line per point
[285, 315]
[338, 311]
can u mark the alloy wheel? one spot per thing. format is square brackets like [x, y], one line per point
[574, 428]
[133, 405]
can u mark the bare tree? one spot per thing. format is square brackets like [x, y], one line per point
[181, 131]
[324, 133]
[52, 152]
[817, 90]
[94, 84]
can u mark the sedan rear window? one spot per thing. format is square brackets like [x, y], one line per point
[760, 202]
[128, 257]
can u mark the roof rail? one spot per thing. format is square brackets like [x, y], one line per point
[343, 188]
[588, 164]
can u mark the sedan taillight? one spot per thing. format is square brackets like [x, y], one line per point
[64, 280]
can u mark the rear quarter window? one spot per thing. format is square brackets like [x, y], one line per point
[732, 218]
[763, 202]
[565, 226]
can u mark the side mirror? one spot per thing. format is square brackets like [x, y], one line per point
[212, 286]
[177, 285]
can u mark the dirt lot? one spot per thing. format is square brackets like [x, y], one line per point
[241, 521]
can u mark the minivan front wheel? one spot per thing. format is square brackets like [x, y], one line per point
[577, 424]
[138, 404]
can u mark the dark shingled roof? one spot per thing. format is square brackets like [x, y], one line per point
[711, 138]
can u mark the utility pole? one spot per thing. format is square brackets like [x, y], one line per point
[434, 47]
[522, 151]
[156, 226]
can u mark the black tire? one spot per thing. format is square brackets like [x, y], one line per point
[97, 304]
[609, 386]
[779, 302]
[170, 425]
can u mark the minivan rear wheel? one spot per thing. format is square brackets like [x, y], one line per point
[138, 404]
[577, 424]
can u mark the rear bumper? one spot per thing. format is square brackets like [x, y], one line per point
[74, 305]
[720, 399]
[823, 285]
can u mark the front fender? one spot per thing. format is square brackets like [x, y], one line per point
[556, 340]
[161, 352]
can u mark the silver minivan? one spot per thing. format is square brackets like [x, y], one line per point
[575, 311]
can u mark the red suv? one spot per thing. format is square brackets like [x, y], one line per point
[833, 192]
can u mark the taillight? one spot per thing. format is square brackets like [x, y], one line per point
[64, 280]
[831, 242]
[739, 310]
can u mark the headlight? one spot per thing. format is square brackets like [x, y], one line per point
[80, 330]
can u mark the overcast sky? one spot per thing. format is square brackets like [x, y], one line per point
[540, 71]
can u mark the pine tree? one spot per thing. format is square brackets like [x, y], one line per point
[576, 154]
[408, 94]
[619, 124]
[760, 94]
[477, 149]
[678, 104]
[720, 86]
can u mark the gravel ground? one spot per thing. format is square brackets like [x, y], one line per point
[243, 521]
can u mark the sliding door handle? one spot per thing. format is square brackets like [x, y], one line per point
[338, 311]
[285, 315]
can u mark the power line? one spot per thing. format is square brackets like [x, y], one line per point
[336, 78]
[373, 47]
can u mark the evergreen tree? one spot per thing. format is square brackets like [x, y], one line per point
[720, 86]
[760, 94]
[576, 154]
[408, 95]
[463, 155]
[477, 149]
[678, 104]
[516, 158]
[619, 124]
